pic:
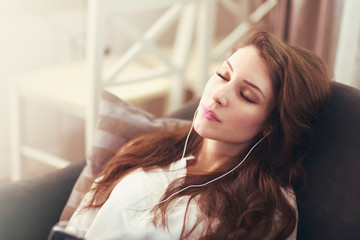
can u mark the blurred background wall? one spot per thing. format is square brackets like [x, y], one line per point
[34, 34]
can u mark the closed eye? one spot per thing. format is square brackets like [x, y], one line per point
[246, 98]
[221, 76]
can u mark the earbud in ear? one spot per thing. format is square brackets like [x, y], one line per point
[267, 132]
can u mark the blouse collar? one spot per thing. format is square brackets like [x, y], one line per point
[178, 168]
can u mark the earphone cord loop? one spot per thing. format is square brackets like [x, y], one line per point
[188, 135]
[215, 179]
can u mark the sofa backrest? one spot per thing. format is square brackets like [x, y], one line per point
[329, 208]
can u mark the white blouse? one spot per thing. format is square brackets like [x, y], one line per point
[127, 212]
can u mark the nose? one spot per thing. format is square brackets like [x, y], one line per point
[220, 96]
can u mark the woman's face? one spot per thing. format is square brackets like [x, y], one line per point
[237, 101]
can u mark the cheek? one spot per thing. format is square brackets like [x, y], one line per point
[248, 120]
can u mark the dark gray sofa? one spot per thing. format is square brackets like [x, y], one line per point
[329, 208]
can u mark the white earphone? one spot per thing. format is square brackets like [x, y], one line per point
[217, 178]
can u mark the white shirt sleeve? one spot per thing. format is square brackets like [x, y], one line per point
[290, 196]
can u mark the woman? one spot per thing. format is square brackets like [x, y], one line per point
[233, 174]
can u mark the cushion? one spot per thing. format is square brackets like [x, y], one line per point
[118, 122]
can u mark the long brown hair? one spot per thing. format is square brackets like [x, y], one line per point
[246, 201]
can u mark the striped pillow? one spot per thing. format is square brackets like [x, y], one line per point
[118, 122]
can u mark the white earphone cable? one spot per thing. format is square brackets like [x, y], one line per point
[215, 179]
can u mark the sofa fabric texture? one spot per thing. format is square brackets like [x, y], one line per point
[329, 208]
[30, 207]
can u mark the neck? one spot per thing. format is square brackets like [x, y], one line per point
[216, 156]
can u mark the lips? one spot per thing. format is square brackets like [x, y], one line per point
[209, 115]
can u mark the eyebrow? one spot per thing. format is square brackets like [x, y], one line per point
[246, 81]
[255, 87]
[230, 66]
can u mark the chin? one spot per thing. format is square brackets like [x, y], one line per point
[205, 133]
[201, 130]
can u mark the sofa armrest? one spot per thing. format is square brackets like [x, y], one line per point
[30, 207]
